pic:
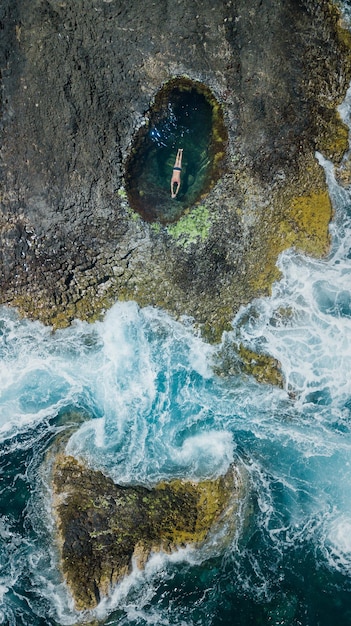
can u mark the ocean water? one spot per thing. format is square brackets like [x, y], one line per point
[135, 395]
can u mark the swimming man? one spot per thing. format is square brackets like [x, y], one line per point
[177, 168]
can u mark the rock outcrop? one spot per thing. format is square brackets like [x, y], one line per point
[78, 79]
[103, 526]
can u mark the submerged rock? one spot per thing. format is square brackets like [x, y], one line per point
[78, 81]
[103, 527]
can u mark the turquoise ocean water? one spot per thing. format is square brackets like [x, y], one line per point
[138, 397]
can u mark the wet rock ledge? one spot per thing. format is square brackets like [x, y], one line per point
[103, 527]
[77, 82]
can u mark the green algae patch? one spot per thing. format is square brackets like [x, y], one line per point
[102, 526]
[194, 225]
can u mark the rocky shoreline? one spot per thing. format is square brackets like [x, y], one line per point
[77, 84]
[104, 528]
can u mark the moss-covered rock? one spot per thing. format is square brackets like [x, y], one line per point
[193, 226]
[103, 526]
[233, 358]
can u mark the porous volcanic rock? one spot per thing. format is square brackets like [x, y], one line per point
[103, 526]
[78, 79]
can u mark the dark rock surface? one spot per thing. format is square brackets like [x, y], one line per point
[103, 526]
[77, 80]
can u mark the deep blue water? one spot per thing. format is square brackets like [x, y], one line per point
[138, 398]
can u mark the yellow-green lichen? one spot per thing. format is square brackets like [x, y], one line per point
[88, 308]
[209, 498]
[309, 220]
[263, 367]
[213, 330]
[134, 216]
[296, 221]
[155, 227]
[193, 225]
[342, 28]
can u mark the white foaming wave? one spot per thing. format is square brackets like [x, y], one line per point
[340, 535]
[125, 391]
[44, 570]
[34, 389]
[311, 436]
[151, 372]
[181, 340]
[40, 372]
[295, 325]
[12, 563]
[144, 461]
[211, 451]
[117, 360]
[306, 324]
[127, 376]
[42, 556]
[141, 583]
[345, 108]
[336, 541]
